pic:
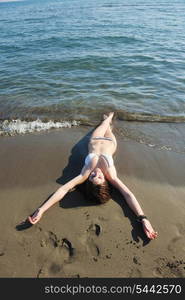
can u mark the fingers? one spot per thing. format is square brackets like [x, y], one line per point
[150, 233]
[34, 218]
[31, 220]
[153, 235]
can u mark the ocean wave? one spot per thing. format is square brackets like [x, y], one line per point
[49, 116]
[15, 127]
[146, 117]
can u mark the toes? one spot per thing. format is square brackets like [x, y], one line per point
[105, 116]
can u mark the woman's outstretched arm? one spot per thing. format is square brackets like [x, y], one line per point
[58, 195]
[134, 205]
[129, 196]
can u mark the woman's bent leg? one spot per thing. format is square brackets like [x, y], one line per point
[102, 128]
[110, 134]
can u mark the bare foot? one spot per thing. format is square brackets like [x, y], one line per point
[105, 116]
[109, 115]
[149, 231]
[35, 217]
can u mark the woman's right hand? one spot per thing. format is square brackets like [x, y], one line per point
[36, 216]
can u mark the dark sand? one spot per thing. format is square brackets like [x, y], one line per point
[76, 238]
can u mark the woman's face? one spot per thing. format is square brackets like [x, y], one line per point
[97, 177]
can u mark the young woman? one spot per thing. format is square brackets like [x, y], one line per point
[98, 170]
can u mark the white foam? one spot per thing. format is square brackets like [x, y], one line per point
[14, 127]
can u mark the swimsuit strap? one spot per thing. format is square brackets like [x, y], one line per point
[102, 138]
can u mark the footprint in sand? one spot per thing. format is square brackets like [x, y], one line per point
[60, 252]
[89, 239]
[177, 243]
[135, 273]
[169, 268]
[95, 228]
[68, 245]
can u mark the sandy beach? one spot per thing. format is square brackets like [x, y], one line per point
[76, 238]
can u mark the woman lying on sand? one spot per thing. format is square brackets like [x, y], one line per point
[98, 170]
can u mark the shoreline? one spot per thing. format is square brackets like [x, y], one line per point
[64, 243]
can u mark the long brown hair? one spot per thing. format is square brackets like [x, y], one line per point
[99, 193]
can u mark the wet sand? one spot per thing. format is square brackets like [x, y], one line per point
[76, 238]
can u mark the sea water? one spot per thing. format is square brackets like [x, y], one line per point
[71, 60]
